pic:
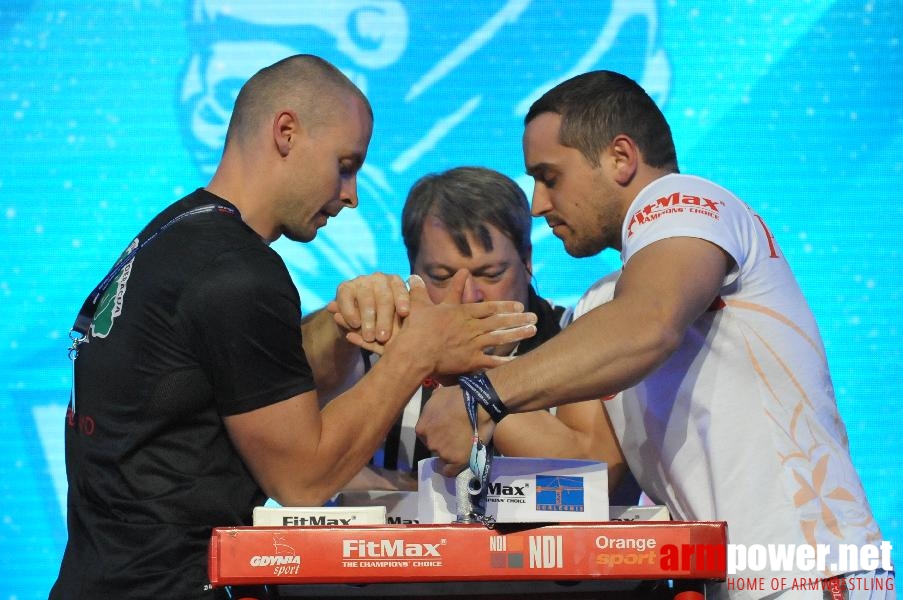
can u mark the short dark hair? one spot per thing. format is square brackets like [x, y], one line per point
[599, 105]
[304, 82]
[466, 200]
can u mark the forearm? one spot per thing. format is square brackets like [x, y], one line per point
[581, 431]
[374, 478]
[607, 350]
[538, 433]
[661, 291]
[334, 361]
[576, 364]
[351, 427]
[443, 338]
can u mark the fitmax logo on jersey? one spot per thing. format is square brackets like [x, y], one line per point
[674, 203]
[389, 549]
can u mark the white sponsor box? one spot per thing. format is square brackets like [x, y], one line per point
[522, 490]
[401, 506]
[305, 516]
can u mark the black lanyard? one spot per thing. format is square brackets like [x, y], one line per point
[86, 315]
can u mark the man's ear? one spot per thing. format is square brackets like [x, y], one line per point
[624, 157]
[286, 130]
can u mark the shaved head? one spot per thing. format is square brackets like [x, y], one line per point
[303, 83]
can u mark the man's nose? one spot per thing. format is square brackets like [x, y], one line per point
[540, 204]
[348, 193]
[472, 290]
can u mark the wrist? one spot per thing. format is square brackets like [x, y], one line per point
[480, 389]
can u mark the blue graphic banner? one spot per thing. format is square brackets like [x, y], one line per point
[110, 111]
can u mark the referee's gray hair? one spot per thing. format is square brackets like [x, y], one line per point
[466, 200]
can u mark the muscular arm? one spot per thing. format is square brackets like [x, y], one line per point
[662, 289]
[372, 306]
[578, 430]
[380, 478]
[336, 363]
[301, 455]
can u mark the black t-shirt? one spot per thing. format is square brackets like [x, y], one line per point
[204, 323]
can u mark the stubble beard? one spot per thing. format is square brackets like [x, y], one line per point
[300, 235]
[602, 230]
[593, 242]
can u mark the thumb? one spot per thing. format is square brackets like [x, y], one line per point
[457, 285]
[417, 290]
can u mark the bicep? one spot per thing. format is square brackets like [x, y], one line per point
[249, 342]
[271, 438]
[674, 280]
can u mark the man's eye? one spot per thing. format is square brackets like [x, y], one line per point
[347, 168]
[495, 276]
[544, 179]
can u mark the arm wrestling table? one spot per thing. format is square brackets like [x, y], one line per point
[608, 559]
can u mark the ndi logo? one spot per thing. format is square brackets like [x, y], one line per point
[557, 493]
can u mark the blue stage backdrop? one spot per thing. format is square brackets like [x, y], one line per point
[111, 110]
